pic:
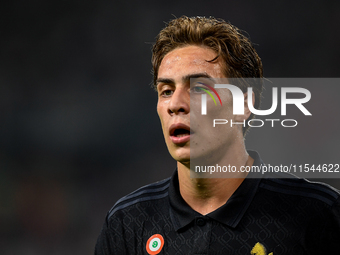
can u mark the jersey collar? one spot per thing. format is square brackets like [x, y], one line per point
[229, 214]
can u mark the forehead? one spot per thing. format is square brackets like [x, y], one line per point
[190, 59]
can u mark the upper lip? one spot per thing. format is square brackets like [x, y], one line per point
[176, 126]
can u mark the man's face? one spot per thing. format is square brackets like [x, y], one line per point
[181, 125]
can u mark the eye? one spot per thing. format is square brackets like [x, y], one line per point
[198, 89]
[166, 92]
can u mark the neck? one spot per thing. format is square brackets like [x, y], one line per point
[205, 195]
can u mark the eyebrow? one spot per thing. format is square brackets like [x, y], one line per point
[184, 79]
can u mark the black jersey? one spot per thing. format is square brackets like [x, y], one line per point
[264, 216]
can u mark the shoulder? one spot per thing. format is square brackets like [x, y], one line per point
[291, 185]
[154, 191]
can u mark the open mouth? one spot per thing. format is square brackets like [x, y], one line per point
[180, 133]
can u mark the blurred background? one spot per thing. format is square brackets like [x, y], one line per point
[78, 122]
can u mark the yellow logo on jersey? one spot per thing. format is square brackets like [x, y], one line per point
[259, 249]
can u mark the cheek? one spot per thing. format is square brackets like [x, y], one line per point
[225, 110]
[161, 111]
[162, 107]
[159, 114]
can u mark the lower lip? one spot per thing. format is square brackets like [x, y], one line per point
[180, 140]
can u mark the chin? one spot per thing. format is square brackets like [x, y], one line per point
[182, 157]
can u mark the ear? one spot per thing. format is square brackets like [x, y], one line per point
[247, 112]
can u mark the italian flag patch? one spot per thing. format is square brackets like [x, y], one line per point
[155, 244]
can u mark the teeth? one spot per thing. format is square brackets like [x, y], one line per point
[181, 135]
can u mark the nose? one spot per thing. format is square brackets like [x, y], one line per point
[180, 102]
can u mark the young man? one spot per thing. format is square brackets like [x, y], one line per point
[239, 215]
